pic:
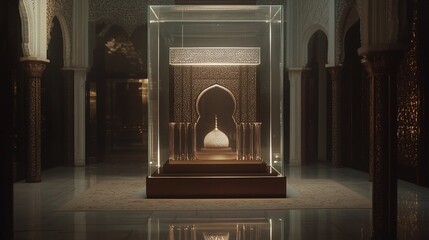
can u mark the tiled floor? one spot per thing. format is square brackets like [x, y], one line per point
[36, 216]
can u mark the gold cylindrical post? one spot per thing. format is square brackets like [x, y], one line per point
[171, 233]
[251, 142]
[194, 233]
[171, 128]
[238, 142]
[243, 141]
[186, 144]
[257, 141]
[180, 152]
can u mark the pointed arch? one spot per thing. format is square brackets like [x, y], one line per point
[229, 122]
[308, 33]
[66, 39]
[212, 87]
[348, 17]
[27, 28]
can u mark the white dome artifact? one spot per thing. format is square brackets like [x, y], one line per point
[216, 138]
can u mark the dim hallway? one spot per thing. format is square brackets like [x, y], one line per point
[37, 215]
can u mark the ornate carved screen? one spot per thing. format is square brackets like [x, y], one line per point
[196, 73]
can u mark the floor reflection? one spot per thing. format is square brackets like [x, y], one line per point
[36, 214]
[210, 227]
[213, 229]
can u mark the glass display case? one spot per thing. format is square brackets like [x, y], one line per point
[215, 97]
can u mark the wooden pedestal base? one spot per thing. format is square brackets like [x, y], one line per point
[216, 187]
[204, 179]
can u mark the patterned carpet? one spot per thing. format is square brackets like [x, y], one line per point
[128, 195]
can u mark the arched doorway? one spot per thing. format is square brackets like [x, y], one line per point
[314, 101]
[215, 102]
[117, 96]
[53, 107]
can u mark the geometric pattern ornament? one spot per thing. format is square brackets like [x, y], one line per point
[215, 56]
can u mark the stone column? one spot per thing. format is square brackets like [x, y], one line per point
[295, 75]
[69, 116]
[79, 116]
[382, 67]
[34, 69]
[335, 74]
[79, 66]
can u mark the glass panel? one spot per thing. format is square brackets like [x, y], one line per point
[215, 13]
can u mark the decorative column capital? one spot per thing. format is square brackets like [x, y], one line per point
[335, 71]
[295, 74]
[34, 67]
[381, 63]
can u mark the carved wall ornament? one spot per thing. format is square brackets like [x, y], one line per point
[225, 56]
[410, 213]
[409, 105]
[342, 10]
[190, 81]
[61, 9]
[314, 12]
[129, 15]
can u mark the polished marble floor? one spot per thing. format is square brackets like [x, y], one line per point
[36, 215]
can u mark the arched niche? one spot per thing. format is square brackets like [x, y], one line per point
[215, 101]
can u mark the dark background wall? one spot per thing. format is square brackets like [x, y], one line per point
[354, 102]
[9, 45]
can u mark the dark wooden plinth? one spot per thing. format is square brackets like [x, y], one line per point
[216, 187]
[215, 179]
